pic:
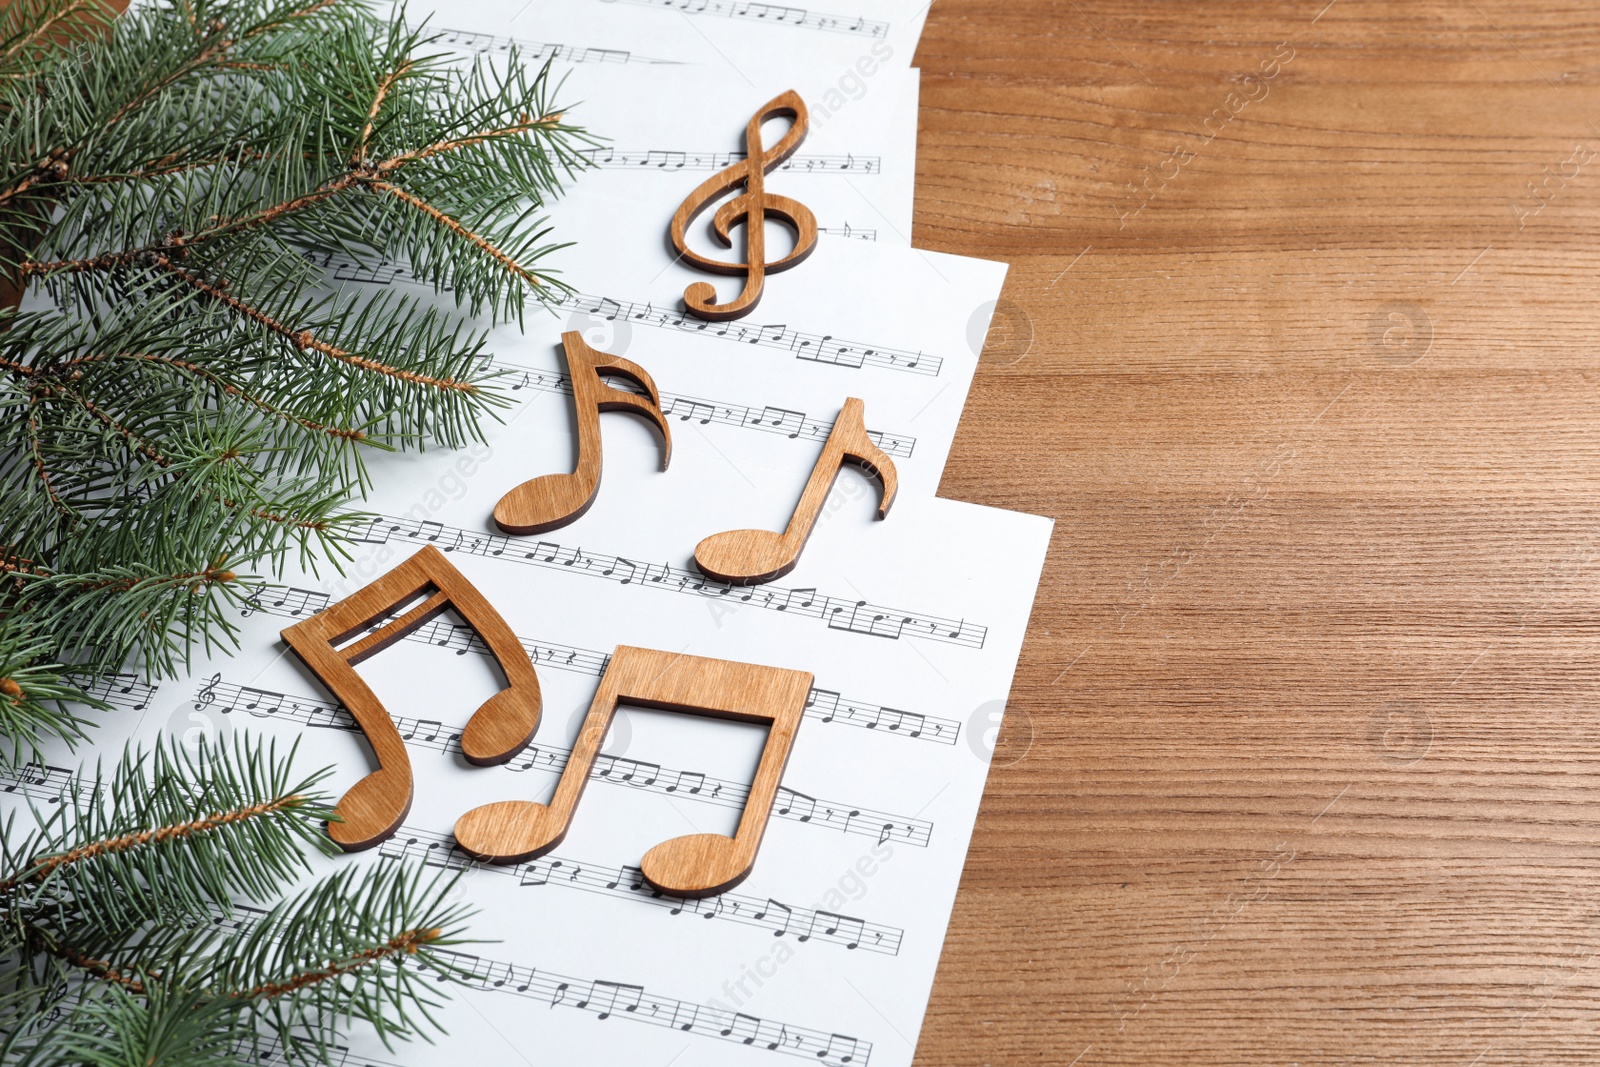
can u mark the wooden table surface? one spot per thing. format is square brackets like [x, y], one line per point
[1298, 349]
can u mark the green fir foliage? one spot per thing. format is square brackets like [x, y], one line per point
[121, 941]
[186, 397]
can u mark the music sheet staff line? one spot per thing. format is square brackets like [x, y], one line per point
[804, 924]
[776, 14]
[608, 158]
[815, 348]
[39, 781]
[784, 421]
[118, 690]
[823, 705]
[267, 1051]
[624, 1000]
[466, 41]
[810, 347]
[838, 613]
[790, 804]
[621, 1000]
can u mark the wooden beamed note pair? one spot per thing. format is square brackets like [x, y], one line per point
[696, 865]
[739, 557]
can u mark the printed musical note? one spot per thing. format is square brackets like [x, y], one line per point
[120, 690]
[786, 422]
[611, 997]
[657, 159]
[831, 924]
[372, 809]
[695, 865]
[554, 500]
[775, 14]
[753, 557]
[817, 348]
[41, 782]
[469, 43]
[604, 998]
[847, 614]
[618, 1000]
[751, 207]
[823, 705]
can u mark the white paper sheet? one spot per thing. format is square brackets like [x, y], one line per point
[911, 625]
[760, 392]
[671, 129]
[850, 36]
[828, 951]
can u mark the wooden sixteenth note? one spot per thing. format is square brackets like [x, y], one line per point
[554, 500]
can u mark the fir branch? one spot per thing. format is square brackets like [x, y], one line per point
[408, 943]
[127, 925]
[304, 339]
[544, 122]
[451, 225]
[43, 867]
[189, 386]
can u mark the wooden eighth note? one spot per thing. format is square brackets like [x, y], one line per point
[554, 500]
[374, 807]
[750, 557]
[751, 207]
[696, 865]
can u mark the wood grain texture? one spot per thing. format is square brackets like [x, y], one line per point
[748, 209]
[1301, 763]
[552, 501]
[751, 557]
[695, 865]
[409, 596]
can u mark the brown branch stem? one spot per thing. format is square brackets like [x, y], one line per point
[304, 340]
[438, 147]
[359, 156]
[42, 868]
[417, 203]
[407, 942]
[98, 968]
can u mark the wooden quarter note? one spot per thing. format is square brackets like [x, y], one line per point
[696, 865]
[751, 207]
[750, 557]
[554, 500]
[375, 806]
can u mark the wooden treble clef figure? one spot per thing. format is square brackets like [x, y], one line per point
[752, 208]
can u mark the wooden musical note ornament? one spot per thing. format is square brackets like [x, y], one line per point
[751, 557]
[695, 865]
[751, 207]
[374, 807]
[554, 500]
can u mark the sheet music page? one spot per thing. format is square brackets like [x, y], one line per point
[737, 35]
[911, 625]
[763, 390]
[829, 949]
[669, 129]
[663, 122]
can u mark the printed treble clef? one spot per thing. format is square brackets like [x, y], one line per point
[208, 692]
[751, 207]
